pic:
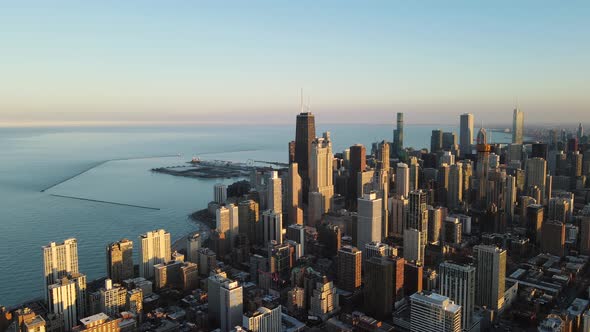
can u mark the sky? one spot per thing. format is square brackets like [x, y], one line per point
[134, 62]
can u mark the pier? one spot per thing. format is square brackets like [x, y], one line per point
[99, 164]
[105, 202]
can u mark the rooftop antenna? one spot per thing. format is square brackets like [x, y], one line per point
[301, 99]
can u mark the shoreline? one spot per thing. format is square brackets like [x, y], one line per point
[204, 224]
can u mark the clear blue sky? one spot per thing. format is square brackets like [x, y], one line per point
[247, 60]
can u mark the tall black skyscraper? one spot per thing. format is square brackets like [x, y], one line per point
[398, 136]
[304, 135]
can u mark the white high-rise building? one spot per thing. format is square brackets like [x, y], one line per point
[272, 223]
[264, 319]
[220, 193]
[320, 168]
[466, 133]
[517, 126]
[368, 219]
[193, 244]
[536, 175]
[402, 180]
[434, 313]
[154, 249]
[413, 246]
[59, 260]
[231, 304]
[63, 301]
[491, 276]
[214, 283]
[275, 192]
[457, 282]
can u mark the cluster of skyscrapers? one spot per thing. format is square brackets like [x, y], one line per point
[394, 238]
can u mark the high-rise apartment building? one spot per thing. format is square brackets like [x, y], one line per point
[59, 260]
[249, 221]
[63, 301]
[402, 180]
[321, 165]
[349, 268]
[455, 187]
[120, 260]
[517, 126]
[413, 246]
[231, 304]
[369, 219]
[193, 244]
[264, 319]
[398, 136]
[398, 212]
[434, 313]
[536, 175]
[220, 193]
[466, 134]
[154, 249]
[294, 195]
[275, 193]
[491, 276]
[457, 282]
[272, 223]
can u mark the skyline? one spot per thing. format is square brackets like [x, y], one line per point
[113, 63]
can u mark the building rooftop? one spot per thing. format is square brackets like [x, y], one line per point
[100, 317]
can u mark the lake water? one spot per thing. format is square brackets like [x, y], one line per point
[32, 159]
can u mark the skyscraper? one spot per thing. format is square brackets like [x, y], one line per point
[193, 244]
[349, 268]
[455, 191]
[304, 135]
[398, 136]
[231, 304]
[59, 260]
[457, 281]
[402, 180]
[294, 195]
[417, 211]
[321, 177]
[120, 260]
[154, 249]
[369, 219]
[358, 163]
[398, 213]
[483, 165]
[517, 126]
[436, 141]
[265, 319]
[220, 193]
[272, 223]
[249, 221]
[466, 133]
[384, 285]
[275, 194]
[63, 301]
[434, 313]
[536, 175]
[413, 245]
[491, 276]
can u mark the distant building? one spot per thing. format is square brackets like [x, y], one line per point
[517, 126]
[59, 260]
[466, 133]
[220, 193]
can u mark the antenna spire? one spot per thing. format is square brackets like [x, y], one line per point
[301, 100]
